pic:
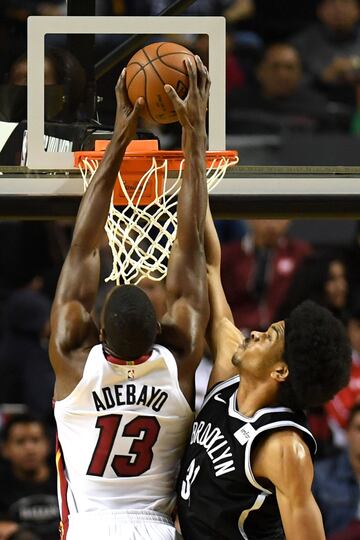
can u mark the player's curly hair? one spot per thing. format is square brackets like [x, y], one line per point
[318, 354]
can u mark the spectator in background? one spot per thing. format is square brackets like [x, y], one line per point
[66, 105]
[26, 376]
[322, 278]
[234, 11]
[336, 485]
[65, 87]
[338, 409]
[279, 99]
[20, 10]
[235, 74]
[257, 271]
[28, 501]
[276, 19]
[13, 29]
[330, 48]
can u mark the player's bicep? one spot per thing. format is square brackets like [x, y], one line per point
[79, 279]
[285, 460]
[71, 328]
[287, 463]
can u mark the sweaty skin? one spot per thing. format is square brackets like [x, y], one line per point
[284, 459]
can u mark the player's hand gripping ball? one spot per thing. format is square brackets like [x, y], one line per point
[147, 72]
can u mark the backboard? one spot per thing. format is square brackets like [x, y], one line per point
[39, 27]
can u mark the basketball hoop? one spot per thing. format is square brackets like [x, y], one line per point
[142, 221]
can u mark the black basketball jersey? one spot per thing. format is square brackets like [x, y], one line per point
[218, 495]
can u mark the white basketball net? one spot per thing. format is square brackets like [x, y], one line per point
[140, 237]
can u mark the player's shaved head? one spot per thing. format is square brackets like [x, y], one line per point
[129, 322]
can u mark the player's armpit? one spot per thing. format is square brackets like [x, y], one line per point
[285, 460]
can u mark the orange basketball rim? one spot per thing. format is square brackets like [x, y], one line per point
[142, 157]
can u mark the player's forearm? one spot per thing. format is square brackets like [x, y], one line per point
[303, 530]
[95, 203]
[212, 244]
[303, 523]
[193, 196]
[219, 307]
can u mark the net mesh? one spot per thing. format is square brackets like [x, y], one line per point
[141, 236]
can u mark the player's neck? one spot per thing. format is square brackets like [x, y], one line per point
[253, 395]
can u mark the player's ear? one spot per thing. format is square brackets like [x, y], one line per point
[158, 328]
[280, 372]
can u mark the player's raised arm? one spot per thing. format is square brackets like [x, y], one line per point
[285, 460]
[187, 297]
[79, 279]
[222, 336]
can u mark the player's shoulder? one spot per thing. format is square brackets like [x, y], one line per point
[284, 460]
[284, 440]
[220, 392]
[285, 448]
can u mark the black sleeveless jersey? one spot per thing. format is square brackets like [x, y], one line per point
[218, 495]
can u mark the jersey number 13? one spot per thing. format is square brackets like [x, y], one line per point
[141, 448]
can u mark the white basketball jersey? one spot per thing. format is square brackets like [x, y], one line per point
[121, 433]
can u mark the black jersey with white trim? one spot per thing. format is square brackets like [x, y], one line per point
[218, 495]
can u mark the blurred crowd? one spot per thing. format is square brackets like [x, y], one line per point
[292, 67]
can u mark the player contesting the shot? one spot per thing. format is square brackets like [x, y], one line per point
[122, 400]
[247, 471]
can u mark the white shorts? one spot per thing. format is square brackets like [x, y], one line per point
[121, 525]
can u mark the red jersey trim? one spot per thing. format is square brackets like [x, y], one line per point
[115, 360]
[63, 485]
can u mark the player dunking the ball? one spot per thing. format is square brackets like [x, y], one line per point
[247, 471]
[122, 400]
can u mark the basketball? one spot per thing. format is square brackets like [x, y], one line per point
[147, 72]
